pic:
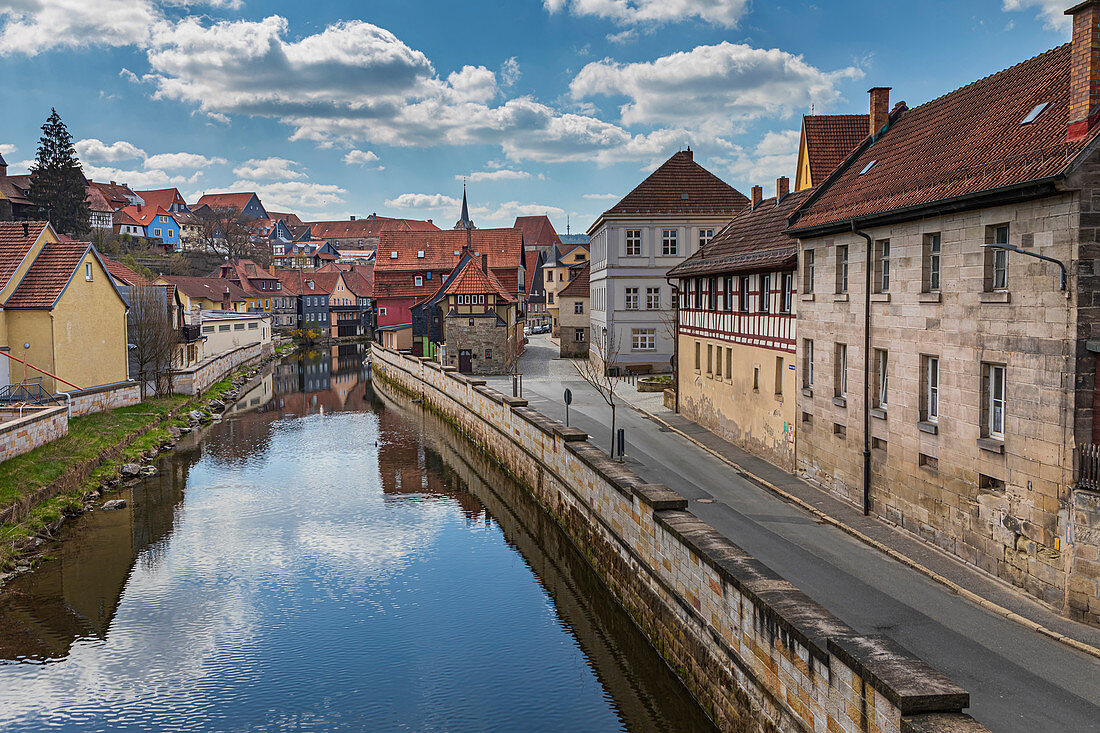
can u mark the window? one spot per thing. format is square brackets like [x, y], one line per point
[710, 360]
[779, 376]
[223, 328]
[765, 282]
[88, 271]
[632, 299]
[238, 326]
[578, 307]
[698, 358]
[996, 260]
[381, 311]
[840, 371]
[729, 364]
[930, 389]
[881, 384]
[643, 339]
[418, 281]
[253, 326]
[842, 268]
[868, 167]
[756, 379]
[208, 329]
[712, 294]
[993, 400]
[728, 287]
[697, 289]
[578, 335]
[653, 299]
[156, 232]
[633, 242]
[1035, 112]
[669, 246]
[705, 235]
[882, 266]
[807, 363]
[932, 262]
[743, 294]
[788, 293]
[808, 271]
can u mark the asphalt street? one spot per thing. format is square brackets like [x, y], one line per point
[1018, 680]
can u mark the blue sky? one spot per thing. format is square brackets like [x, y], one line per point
[549, 106]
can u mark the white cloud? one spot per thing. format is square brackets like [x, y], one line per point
[271, 169]
[509, 72]
[154, 178]
[30, 27]
[775, 155]
[713, 86]
[506, 213]
[722, 12]
[293, 195]
[424, 201]
[501, 174]
[177, 161]
[623, 37]
[92, 150]
[1051, 11]
[7, 148]
[602, 196]
[360, 157]
[500, 214]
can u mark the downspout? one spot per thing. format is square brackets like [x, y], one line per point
[866, 373]
[675, 345]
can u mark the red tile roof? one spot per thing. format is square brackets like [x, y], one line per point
[15, 188]
[830, 139]
[474, 280]
[504, 247]
[289, 219]
[360, 280]
[162, 197]
[967, 142]
[49, 275]
[680, 186]
[531, 266]
[14, 246]
[537, 231]
[96, 200]
[366, 228]
[143, 215]
[121, 272]
[210, 288]
[754, 241]
[226, 200]
[578, 286]
[117, 196]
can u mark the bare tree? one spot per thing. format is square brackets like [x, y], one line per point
[152, 336]
[227, 231]
[602, 351]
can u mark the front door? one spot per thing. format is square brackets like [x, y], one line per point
[465, 361]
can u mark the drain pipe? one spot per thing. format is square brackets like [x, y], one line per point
[675, 345]
[866, 371]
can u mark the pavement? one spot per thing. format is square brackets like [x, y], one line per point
[1003, 647]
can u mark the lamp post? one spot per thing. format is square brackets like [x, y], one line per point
[26, 345]
[1036, 255]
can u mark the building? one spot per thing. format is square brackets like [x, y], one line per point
[123, 223]
[826, 142]
[62, 312]
[362, 233]
[309, 255]
[652, 229]
[538, 233]
[157, 224]
[259, 285]
[247, 204]
[573, 301]
[170, 199]
[205, 293]
[228, 330]
[736, 330]
[965, 418]
[349, 305]
[480, 320]
[118, 195]
[561, 265]
[16, 191]
[534, 261]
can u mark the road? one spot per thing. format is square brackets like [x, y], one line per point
[1018, 680]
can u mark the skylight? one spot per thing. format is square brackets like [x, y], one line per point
[393, 255]
[1035, 112]
[420, 254]
[868, 167]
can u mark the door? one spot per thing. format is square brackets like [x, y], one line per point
[465, 361]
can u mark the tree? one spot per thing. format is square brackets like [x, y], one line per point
[227, 231]
[152, 338]
[58, 185]
[603, 350]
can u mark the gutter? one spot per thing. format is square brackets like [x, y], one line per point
[866, 372]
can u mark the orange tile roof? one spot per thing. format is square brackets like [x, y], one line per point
[967, 142]
[531, 266]
[578, 287]
[366, 228]
[210, 288]
[504, 247]
[49, 275]
[162, 197]
[289, 219]
[226, 200]
[681, 186]
[123, 273]
[117, 195]
[474, 280]
[14, 246]
[830, 139]
[537, 231]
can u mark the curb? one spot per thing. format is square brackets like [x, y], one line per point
[902, 558]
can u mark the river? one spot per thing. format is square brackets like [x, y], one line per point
[329, 556]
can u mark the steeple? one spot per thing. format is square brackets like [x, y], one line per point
[464, 221]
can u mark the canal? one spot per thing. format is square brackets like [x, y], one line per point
[329, 556]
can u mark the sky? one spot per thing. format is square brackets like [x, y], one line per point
[557, 107]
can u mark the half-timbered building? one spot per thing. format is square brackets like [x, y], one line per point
[735, 329]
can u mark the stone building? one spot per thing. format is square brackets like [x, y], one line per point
[480, 321]
[736, 330]
[664, 220]
[573, 302]
[948, 373]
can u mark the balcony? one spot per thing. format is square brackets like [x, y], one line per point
[191, 333]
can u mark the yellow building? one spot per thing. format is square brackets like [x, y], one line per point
[826, 141]
[62, 313]
[558, 273]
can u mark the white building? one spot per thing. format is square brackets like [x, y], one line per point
[679, 207]
[228, 330]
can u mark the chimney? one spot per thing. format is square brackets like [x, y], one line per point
[880, 108]
[3, 167]
[757, 196]
[1084, 69]
[26, 229]
[353, 218]
[485, 262]
[112, 183]
[225, 299]
[782, 188]
[429, 221]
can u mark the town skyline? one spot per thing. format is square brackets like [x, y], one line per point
[562, 127]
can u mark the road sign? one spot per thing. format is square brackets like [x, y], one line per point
[568, 397]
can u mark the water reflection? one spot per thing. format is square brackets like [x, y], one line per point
[339, 560]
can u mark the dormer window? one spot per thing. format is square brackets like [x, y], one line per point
[418, 281]
[1035, 112]
[420, 254]
[868, 167]
[393, 255]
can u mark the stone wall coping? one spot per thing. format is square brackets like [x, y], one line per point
[491, 393]
[941, 723]
[433, 365]
[32, 415]
[536, 418]
[104, 388]
[212, 359]
[904, 679]
[660, 497]
[570, 435]
[473, 382]
[515, 401]
[450, 369]
[616, 474]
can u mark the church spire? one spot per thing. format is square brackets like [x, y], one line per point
[464, 220]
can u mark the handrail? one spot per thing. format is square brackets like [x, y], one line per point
[32, 366]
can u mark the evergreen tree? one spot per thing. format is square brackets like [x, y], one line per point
[57, 181]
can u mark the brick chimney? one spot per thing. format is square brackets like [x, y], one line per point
[225, 299]
[880, 108]
[757, 196]
[1084, 69]
[485, 262]
[782, 188]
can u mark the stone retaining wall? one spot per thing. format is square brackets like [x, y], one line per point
[105, 397]
[757, 653]
[37, 426]
[197, 378]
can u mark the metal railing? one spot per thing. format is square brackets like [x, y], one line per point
[30, 391]
[1088, 477]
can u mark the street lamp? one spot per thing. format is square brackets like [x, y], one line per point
[26, 346]
[1036, 255]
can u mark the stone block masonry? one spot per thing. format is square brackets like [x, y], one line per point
[757, 653]
[20, 433]
[196, 379]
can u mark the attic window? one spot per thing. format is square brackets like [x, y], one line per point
[868, 167]
[393, 255]
[420, 254]
[684, 196]
[1035, 112]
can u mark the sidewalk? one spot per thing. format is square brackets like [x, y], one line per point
[965, 580]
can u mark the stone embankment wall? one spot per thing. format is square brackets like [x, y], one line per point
[197, 378]
[757, 653]
[36, 426]
[105, 397]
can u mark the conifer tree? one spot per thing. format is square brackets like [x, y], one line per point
[57, 182]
